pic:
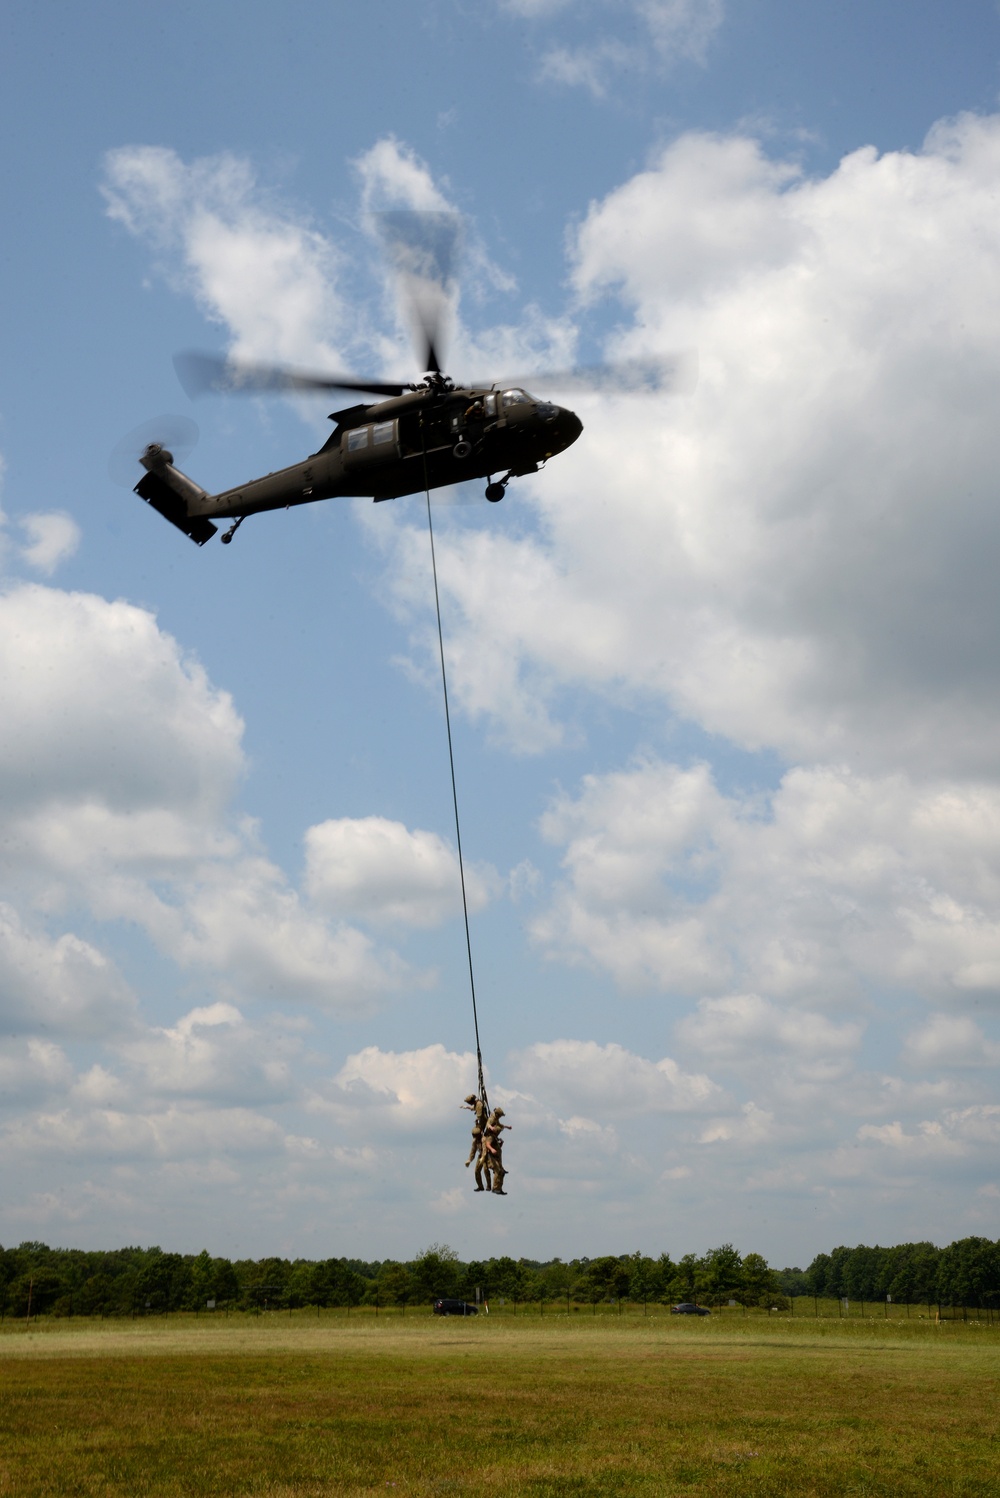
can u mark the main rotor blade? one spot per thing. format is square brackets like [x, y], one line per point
[674, 375]
[200, 373]
[422, 248]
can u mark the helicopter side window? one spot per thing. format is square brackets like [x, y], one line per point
[516, 398]
[357, 439]
[490, 405]
[382, 431]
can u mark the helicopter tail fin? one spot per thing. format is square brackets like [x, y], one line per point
[168, 490]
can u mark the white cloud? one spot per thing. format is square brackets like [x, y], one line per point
[798, 555]
[947, 1040]
[250, 262]
[52, 538]
[175, 1133]
[833, 882]
[212, 1052]
[392, 175]
[101, 708]
[118, 765]
[670, 31]
[400, 1091]
[377, 870]
[747, 1029]
[31, 1071]
[607, 1080]
[59, 987]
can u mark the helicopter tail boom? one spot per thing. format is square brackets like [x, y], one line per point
[168, 491]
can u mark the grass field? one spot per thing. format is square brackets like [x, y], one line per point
[543, 1406]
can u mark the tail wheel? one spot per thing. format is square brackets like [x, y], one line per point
[495, 492]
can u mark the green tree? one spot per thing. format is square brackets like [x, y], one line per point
[969, 1273]
[201, 1284]
[760, 1283]
[721, 1274]
[395, 1284]
[435, 1273]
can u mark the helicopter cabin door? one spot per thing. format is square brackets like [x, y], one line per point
[376, 442]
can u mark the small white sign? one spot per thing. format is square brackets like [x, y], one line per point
[210, 1305]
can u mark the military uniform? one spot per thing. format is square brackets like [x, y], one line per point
[484, 1166]
[478, 1107]
[493, 1150]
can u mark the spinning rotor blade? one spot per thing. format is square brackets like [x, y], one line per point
[201, 373]
[675, 375]
[422, 248]
[178, 434]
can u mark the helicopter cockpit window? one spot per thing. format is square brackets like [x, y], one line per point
[382, 431]
[357, 439]
[516, 398]
[490, 405]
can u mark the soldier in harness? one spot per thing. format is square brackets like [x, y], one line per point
[476, 1105]
[492, 1155]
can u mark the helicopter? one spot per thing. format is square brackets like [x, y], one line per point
[420, 436]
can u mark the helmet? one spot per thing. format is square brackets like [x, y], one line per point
[471, 1098]
[499, 1112]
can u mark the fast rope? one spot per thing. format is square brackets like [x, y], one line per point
[454, 790]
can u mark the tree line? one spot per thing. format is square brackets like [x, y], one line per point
[38, 1280]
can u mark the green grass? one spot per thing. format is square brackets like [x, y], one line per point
[537, 1405]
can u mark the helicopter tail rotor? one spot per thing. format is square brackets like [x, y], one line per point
[175, 435]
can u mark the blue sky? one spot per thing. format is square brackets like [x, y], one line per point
[724, 676]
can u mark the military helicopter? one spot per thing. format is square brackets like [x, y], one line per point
[426, 435]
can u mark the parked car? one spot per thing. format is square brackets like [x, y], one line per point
[454, 1308]
[687, 1309]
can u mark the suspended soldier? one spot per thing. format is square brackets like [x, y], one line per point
[492, 1155]
[484, 1167]
[477, 1106]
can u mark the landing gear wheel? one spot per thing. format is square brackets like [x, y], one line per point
[495, 492]
[230, 533]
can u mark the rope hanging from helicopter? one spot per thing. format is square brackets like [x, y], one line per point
[451, 762]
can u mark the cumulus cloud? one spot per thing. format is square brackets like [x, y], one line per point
[807, 895]
[392, 175]
[947, 1040]
[747, 1029]
[669, 31]
[212, 1052]
[32, 1071]
[399, 1091]
[378, 870]
[608, 1080]
[118, 765]
[251, 262]
[799, 554]
[102, 707]
[59, 986]
[53, 537]
[174, 1133]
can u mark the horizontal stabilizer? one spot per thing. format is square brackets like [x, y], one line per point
[171, 506]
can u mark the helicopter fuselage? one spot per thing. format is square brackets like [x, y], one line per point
[425, 438]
